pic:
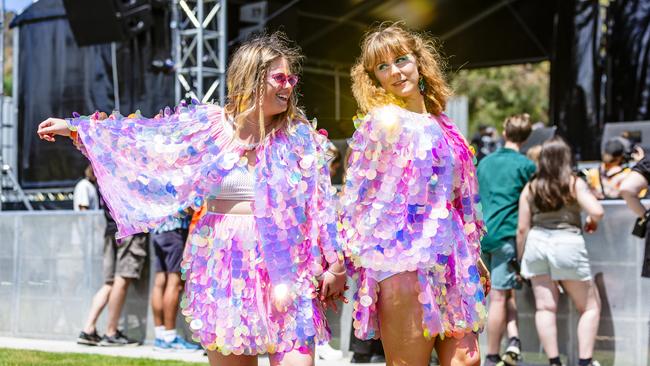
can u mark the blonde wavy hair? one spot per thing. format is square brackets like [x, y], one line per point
[247, 79]
[392, 38]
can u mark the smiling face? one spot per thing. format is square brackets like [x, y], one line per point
[279, 86]
[398, 74]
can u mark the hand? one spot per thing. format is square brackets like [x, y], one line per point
[590, 225]
[518, 278]
[637, 153]
[485, 276]
[332, 288]
[52, 127]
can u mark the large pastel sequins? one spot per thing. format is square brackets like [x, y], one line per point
[228, 293]
[411, 204]
[247, 292]
[150, 169]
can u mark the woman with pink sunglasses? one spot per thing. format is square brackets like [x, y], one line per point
[263, 257]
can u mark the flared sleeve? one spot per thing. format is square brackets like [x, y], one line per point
[465, 188]
[294, 207]
[149, 170]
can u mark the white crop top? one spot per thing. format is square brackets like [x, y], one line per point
[238, 185]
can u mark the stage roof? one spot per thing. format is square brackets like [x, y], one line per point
[474, 33]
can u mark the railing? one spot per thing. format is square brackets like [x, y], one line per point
[50, 267]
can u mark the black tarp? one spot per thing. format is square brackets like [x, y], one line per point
[57, 78]
[576, 69]
[595, 78]
[628, 61]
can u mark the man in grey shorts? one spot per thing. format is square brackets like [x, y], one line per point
[123, 263]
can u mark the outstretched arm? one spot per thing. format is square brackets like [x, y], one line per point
[149, 170]
[52, 127]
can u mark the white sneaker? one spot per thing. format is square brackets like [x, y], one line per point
[327, 353]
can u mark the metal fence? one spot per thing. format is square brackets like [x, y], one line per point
[50, 267]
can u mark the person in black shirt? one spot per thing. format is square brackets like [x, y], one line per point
[633, 184]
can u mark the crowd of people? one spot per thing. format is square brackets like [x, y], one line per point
[240, 206]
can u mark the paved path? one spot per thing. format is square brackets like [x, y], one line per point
[145, 351]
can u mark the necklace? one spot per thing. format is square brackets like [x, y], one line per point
[248, 146]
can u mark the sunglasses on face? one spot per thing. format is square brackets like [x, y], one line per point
[283, 79]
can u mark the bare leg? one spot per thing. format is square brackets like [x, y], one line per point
[116, 302]
[99, 302]
[587, 301]
[157, 293]
[546, 298]
[217, 359]
[400, 321]
[496, 323]
[511, 315]
[459, 352]
[171, 299]
[293, 358]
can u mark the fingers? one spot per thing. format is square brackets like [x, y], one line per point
[325, 291]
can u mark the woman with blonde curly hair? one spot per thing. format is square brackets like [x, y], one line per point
[263, 256]
[411, 213]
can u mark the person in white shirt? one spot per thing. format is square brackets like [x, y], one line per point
[85, 194]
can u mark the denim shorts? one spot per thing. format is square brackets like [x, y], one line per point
[562, 254]
[502, 275]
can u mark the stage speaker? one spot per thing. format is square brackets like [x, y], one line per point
[104, 21]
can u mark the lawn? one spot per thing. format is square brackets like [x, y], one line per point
[12, 357]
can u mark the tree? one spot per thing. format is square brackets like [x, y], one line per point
[497, 92]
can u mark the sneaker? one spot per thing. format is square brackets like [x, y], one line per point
[595, 363]
[159, 344]
[179, 344]
[118, 340]
[88, 339]
[327, 353]
[513, 353]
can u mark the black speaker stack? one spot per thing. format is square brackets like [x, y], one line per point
[104, 21]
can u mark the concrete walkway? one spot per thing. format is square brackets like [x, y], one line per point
[145, 351]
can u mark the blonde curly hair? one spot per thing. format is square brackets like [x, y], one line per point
[247, 75]
[392, 38]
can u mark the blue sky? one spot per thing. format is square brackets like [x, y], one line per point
[16, 5]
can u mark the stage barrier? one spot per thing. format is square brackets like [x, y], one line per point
[51, 266]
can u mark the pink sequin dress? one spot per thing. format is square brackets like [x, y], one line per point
[411, 204]
[250, 279]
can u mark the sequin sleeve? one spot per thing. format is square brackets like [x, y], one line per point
[465, 188]
[294, 209]
[324, 209]
[150, 170]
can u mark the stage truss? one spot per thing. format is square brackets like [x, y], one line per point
[199, 33]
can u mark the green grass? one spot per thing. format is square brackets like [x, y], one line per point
[12, 357]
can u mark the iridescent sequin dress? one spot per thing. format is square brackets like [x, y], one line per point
[250, 279]
[411, 204]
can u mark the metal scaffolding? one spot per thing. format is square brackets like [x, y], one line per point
[10, 189]
[200, 48]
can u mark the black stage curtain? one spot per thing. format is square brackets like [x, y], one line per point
[575, 76]
[628, 71]
[56, 78]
